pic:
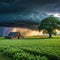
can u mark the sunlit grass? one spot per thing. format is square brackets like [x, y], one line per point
[30, 48]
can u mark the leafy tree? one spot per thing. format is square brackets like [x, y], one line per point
[48, 25]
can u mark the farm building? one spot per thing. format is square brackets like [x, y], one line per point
[14, 35]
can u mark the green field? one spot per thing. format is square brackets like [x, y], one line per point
[30, 49]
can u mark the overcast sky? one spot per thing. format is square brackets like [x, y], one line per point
[12, 10]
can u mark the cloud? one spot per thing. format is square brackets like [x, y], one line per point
[34, 10]
[21, 5]
[31, 10]
[24, 16]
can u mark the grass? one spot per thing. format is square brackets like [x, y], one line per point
[31, 48]
[2, 57]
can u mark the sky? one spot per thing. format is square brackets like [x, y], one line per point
[27, 10]
[12, 10]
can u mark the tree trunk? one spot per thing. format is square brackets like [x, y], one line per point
[50, 35]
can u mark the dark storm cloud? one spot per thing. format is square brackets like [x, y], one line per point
[35, 10]
[30, 10]
[21, 5]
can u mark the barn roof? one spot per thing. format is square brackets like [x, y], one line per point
[13, 33]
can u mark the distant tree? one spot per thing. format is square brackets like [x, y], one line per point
[48, 25]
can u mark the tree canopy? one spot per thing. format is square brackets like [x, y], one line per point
[49, 24]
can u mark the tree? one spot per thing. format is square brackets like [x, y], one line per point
[49, 25]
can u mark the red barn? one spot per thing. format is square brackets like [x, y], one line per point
[15, 35]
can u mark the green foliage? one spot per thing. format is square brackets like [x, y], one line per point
[49, 25]
[33, 49]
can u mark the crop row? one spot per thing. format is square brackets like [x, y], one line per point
[49, 52]
[30, 53]
[19, 54]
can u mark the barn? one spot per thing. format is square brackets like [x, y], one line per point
[14, 35]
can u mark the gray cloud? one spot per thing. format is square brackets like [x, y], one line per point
[13, 10]
[31, 10]
[21, 5]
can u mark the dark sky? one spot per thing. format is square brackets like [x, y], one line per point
[11, 10]
[34, 10]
